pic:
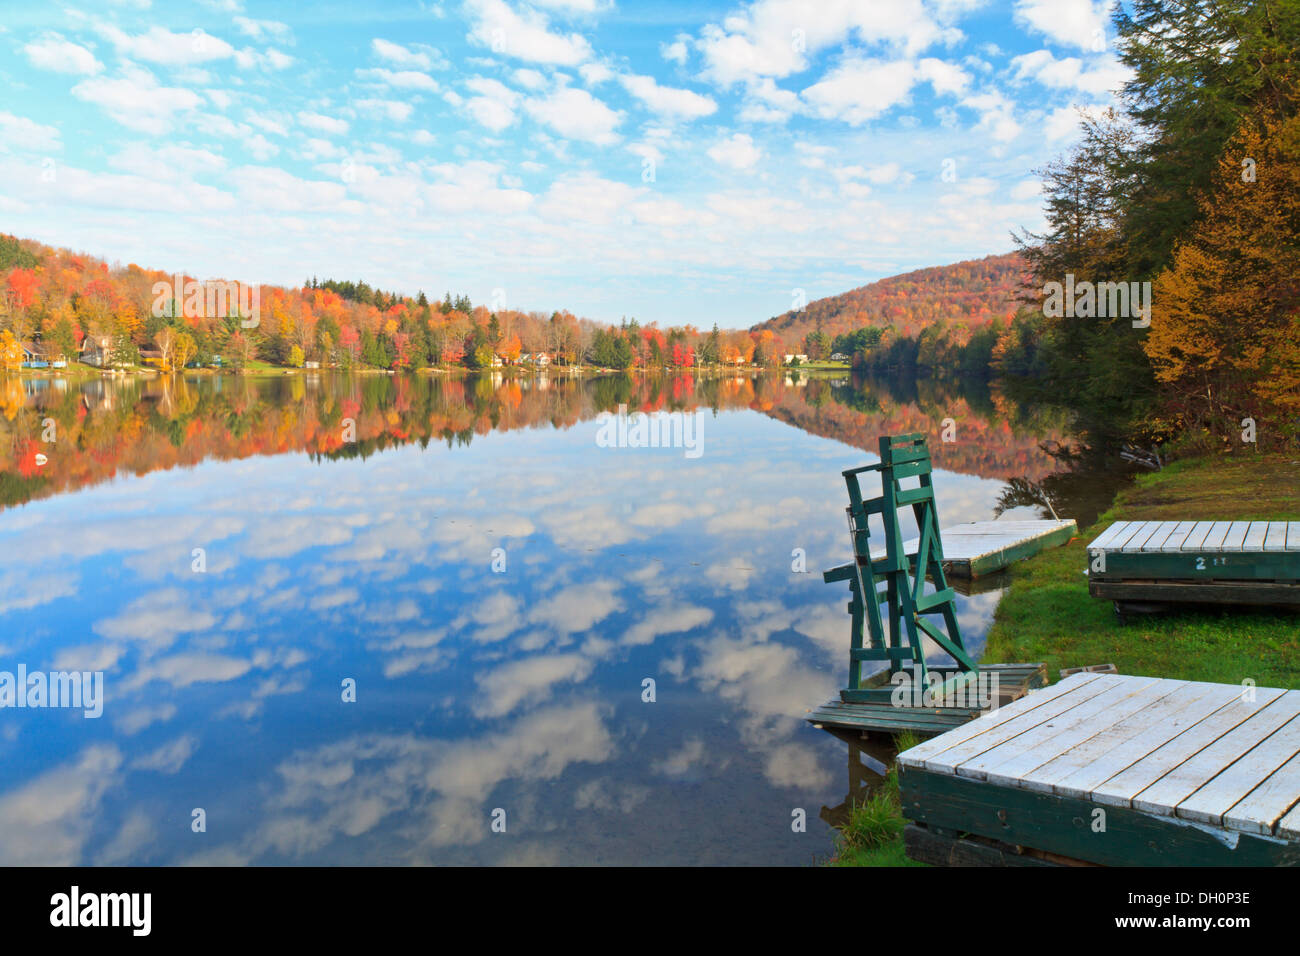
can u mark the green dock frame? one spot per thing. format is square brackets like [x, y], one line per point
[1113, 770]
[1197, 562]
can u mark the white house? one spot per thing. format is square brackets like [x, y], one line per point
[839, 357]
[791, 359]
[97, 350]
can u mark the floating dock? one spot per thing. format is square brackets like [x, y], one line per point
[984, 547]
[1113, 770]
[1013, 682]
[1221, 562]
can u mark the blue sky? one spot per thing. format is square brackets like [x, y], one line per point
[672, 161]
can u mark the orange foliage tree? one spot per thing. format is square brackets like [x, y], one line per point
[1225, 323]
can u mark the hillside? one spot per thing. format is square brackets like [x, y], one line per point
[972, 293]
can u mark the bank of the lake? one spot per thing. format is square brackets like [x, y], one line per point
[1047, 615]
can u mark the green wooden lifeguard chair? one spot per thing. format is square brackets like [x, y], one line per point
[911, 610]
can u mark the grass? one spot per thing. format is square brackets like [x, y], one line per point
[1047, 615]
[873, 835]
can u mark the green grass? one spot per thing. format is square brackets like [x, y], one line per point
[873, 835]
[1047, 615]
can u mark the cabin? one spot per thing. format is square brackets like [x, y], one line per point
[792, 359]
[32, 356]
[540, 359]
[97, 350]
[839, 357]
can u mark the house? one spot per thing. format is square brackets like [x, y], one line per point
[97, 350]
[33, 356]
[311, 364]
[540, 359]
[497, 361]
[791, 359]
[839, 357]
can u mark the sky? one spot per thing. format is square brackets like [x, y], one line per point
[676, 162]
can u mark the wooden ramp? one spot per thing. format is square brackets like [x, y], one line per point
[1114, 770]
[1013, 681]
[1222, 562]
[984, 547]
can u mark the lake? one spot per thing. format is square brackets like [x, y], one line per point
[382, 619]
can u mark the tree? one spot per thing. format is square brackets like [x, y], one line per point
[165, 339]
[11, 352]
[296, 357]
[1225, 324]
[184, 349]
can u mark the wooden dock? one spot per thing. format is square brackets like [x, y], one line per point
[1113, 770]
[1013, 682]
[1221, 562]
[984, 547]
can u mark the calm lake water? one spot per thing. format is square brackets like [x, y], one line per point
[497, 584]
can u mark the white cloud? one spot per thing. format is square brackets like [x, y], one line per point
[53, 52]
[166, 48]
[323, 123]
[675, 52]
[576, 114]
[494, 105]
[26, 135]
[775, 38]
[417, 56]
[860, 90]
[260, 29]
[395, 110]
[399, 79]
[738, 152]
[523, 34]
[1078, 23]
[997, 115]
[136, 100]
[668, 102]
[1105, 75]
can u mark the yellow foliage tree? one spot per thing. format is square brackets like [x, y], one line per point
[1225, 319]
[11, 352]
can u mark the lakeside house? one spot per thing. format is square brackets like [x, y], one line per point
[792, 358]
[839, 357]
[97, 350]
[43, 355]
[540, 359]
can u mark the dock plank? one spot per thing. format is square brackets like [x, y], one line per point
[1084, 768]
[1171, 790]
[1021, 721]
[1120, 789]
[1214, 540]
[1115, 690]
[1104, 540]
[1236, 536]
[1242, 776]
[1196, 537]
[1158, 537]
[1275, 539]
[1018, 766]
[1293, 535]
[1261, 810]
[1140, 536]
[1175, 541]
[918, 755]
[1255, 536]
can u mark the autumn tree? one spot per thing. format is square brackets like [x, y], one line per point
[1225, 324]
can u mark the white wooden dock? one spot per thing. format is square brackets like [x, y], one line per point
[983, 547]
[1200, 537]
[1219, 756]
